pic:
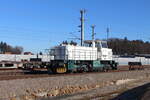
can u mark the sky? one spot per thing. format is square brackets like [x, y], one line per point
[37, 25]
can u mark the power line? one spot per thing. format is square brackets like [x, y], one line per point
[25, 31]
[23, 38]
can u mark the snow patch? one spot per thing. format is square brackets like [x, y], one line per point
[123, 81]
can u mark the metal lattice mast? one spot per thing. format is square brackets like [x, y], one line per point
[107, 30]
[93, 32]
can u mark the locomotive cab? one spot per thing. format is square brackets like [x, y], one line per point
[96, 43]
[103, 52]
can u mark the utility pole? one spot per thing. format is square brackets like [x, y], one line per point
[93, 31]
[82, 26]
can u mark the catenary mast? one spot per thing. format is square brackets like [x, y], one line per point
[82, 26]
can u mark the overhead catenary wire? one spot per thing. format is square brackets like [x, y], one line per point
[25, 32]
[24, 29]
[7, 34]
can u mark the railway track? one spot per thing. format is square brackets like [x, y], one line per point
[20, 74]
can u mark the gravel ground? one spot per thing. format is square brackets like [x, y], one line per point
[19, 87]
[137, 90]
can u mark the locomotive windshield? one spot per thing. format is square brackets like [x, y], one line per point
[104, 44]
[52, 51]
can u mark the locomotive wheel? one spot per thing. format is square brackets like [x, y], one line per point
[84, 70]
[105, 69]
[49, 71]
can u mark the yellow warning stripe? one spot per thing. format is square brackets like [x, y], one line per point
[61, 70]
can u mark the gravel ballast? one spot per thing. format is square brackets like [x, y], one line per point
[20, 87]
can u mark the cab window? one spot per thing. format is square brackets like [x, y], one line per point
[104, 45]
